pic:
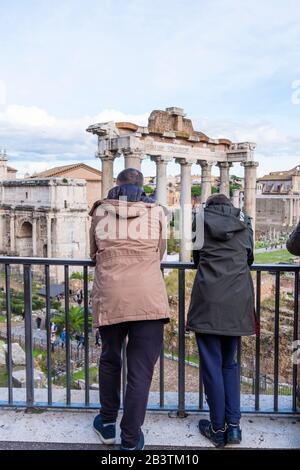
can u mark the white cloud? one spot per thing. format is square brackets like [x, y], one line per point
[36, 140]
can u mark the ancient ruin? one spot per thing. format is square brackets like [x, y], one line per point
[170, 135]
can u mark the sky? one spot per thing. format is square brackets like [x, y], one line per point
[233, 65]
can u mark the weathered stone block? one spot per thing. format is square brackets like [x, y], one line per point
[19, 378]
[18, 354]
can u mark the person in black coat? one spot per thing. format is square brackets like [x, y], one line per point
[293, 243]
[222, 310]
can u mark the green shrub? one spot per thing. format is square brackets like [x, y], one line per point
[56, 304]
[37, 303]
[17, 309]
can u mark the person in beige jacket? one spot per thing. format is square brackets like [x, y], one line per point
[129, 300]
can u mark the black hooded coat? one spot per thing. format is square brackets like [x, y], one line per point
[222, 299]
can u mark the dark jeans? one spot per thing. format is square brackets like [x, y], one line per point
[221, 378]
[145, 339]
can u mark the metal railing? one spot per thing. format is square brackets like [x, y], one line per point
[180, 406]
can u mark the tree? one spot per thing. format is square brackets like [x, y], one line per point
[196, 190]
[76, 320]
[78, 275]
[234, 186]
[148, 189]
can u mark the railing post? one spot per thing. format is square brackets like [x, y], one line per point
[181, 345]
[257, 341]
[86, 335]
[67, 321]
[162, 372]
[296, 337]
[276, 339]
[8, 333]
[48, 330]
[28, 335]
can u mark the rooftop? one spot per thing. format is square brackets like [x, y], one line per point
[281, 175]
[61, 170]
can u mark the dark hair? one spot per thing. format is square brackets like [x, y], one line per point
[218, 199]
[130, 176]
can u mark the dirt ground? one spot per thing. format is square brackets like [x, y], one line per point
[171, 377]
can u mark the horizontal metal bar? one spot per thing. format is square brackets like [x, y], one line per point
[151, 407]
[44, 261]
[164, 265]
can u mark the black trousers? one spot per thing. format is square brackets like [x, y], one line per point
[145, 339]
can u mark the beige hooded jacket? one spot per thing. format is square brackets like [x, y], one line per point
[127, 241]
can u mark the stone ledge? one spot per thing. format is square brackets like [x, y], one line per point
[74, 428]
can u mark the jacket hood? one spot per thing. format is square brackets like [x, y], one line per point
[123, 209]
[131, 192]
[223, 221]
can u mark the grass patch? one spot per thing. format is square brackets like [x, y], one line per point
[279, 256]
[3, 377]
[79, 375]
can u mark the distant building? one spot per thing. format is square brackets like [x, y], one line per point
[278, 202]
[43, 217]
[92, 176]
[6, 172]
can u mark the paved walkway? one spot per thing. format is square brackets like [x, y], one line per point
[74, 428]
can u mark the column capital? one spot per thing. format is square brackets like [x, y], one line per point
[160, 159]
[133, 152]
[183, 161]
[249, 164]
[107, 155]
[224, 164]
[205, 163]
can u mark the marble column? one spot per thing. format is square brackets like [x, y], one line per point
[205, 179]
[161, 179]
[224, 178]
[87, 237]
[49, 238]
[12, 233]
[34, 237]
[1, 233]
[236, 198]
[185, 210]
[133, 159]
[291, 211]
[250, 189]
[107, 160]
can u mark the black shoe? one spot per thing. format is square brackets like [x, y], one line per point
[140, 445]
[233, 434]
[106, 432]
[216, 437]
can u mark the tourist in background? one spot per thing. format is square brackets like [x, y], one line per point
[80, 341]
[38, 321]
[63, 338]
[53, 332]
[221, 311]
[97, 338]
[293, 243]
[129, 299]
